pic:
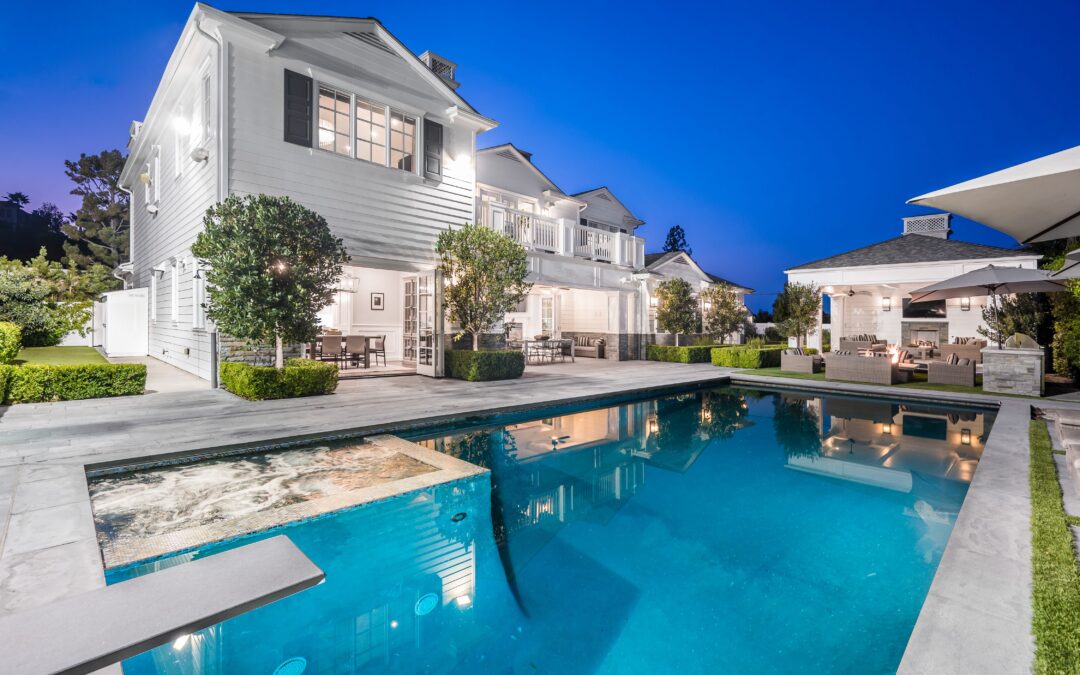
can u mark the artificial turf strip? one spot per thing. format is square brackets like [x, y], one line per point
[1055, 574]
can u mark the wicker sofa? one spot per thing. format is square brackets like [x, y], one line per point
[963, 373]
[869, 369]
[794, 362]
[855, 343]
[591, 345]
[972, 350]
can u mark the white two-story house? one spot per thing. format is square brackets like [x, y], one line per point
[583, 253]
[333, 112]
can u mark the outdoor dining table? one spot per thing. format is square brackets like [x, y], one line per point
[544, 351]
[314, 351]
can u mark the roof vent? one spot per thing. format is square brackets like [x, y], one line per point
[930, 225]
[133, 132]
[444, 68]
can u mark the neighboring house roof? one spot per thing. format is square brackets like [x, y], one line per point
[913, 248]
[655, 260]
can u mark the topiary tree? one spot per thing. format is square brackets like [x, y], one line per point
[796, 310]
[485, 275]
[676, 308]
[273, 265]
[723, 311]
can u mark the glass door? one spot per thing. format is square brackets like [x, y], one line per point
[428, 320]
[409, 330]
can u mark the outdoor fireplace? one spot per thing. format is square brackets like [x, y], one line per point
[914, 332]
[925, 336]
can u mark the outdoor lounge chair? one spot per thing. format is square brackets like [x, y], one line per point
[961, 373]
[794, 361]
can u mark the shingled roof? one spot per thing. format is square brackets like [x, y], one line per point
[912, 248]
[657, 259]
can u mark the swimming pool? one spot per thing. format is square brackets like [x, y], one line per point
[720, 530]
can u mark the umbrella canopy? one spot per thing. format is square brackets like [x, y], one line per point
[1035, 201]
[1071, 270]
[990, 280]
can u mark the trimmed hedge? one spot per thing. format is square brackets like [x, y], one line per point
[299, 377]
[41, 383]
[683, 354]
[748, 357]
[501, 364]
[10, 341]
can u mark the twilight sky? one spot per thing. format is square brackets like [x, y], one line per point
[775, 133]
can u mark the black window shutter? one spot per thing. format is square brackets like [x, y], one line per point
[298, 105]
[433, 149]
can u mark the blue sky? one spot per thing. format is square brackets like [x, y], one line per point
[775, 133]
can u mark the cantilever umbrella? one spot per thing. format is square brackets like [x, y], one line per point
[1034, 201]
[1071, 270]
[992, 281]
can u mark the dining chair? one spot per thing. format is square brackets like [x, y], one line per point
[356, 346]
[330, 349]
[378, 348]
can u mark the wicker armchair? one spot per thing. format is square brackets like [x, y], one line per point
[868, 369]
[940, 372]
[800, 363]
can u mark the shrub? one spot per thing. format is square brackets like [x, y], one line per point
[41, 383]
[671, 354]
[809, 351]
[748, 357]
[502, 364]
[10, 342]
[299, 377]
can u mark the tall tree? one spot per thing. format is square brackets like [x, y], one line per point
[676, 308]
[796, 310]
[273, 267]
[1027, 313]
[485, 275]
[19, 199]
[99, 233]
[723, 312]
[676, 241]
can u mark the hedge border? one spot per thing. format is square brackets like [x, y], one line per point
[40, 383]
[679, 354]
[299, 378]
[748, 357]
[485, 365]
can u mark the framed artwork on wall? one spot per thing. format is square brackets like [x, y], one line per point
[378, 301]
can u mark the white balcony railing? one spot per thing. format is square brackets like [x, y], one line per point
[529, 229]
[563, 236]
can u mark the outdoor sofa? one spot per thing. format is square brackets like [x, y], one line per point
[590, 345]
[960, 373]
[855, 343]
[868, 369]
[968, 350]
[794, 361]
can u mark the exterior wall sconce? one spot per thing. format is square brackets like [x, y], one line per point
[965, 304]
[653, 301]
[886, 429]
[886, 304]
[965, 436]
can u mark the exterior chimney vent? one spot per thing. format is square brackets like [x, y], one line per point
[930, 225]
[444, 68]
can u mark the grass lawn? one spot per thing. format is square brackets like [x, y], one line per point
[1055, 575]
[59, 356]
[918, 381]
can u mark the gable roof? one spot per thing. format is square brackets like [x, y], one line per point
[511, 151]
[913, 248]
[604, 192]
[656, 260]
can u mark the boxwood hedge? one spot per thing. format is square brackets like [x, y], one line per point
[299, 377]
[748, 357]
[683, 354]
[42, 383]
[481, 366]
[10, 341]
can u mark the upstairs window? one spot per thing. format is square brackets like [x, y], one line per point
[334, 128]
[370, 132]
[402, 141]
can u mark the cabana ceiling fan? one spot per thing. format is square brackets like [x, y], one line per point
[852, 292]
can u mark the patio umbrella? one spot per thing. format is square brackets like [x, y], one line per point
[1071, 270]
[1035, 201]
[992, 281]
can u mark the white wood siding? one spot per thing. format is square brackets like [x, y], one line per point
[385, 216]
[159, 239]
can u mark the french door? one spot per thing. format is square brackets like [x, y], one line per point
[429, 324]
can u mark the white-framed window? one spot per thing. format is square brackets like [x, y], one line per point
[370, 132]
[547, 315]
[402, 141]
[198, 298]
[206, 117]
[153, 295]
[335, 132]
[174, 292]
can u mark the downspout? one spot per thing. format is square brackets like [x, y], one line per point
[222, 166]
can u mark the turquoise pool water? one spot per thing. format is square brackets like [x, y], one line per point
[725, 530]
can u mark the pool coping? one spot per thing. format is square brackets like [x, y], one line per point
[977, 614]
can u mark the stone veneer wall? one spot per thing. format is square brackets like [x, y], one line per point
[942, 328]
[236, 350]
[1014, 371]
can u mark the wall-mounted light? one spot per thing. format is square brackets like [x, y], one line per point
[886, 429]
[199, 154]
[886, 304]
[965, 304]
[965, 436]
[653, 301]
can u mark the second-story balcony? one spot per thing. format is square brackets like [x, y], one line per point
[562, 236]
